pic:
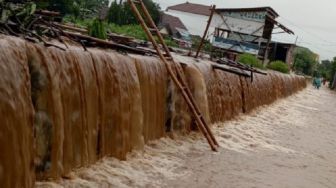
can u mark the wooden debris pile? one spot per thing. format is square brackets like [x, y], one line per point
[241, 67]
[22, 19]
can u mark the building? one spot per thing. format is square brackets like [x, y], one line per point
[194, 16]
[282, 51]
[246, 30]
[233, 31]
[173, 26]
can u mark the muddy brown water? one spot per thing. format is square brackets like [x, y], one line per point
[287, 144]
[66, 110]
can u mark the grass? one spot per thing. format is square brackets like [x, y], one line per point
[135, 31]
[279, 66]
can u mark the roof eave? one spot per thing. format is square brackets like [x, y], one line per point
[252, 9]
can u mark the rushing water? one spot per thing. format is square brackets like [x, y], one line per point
[286, 144]
[62, 110]
[16, 127]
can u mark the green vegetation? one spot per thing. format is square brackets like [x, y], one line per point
[120, 17]
[18, 12]
[77, 8]
[324, 69]
[304, 61]
[327, 69]
[98, 29]
[279, 66]
[250, 60]
[135, 31]
[196, 40]
[332, 72]
[120, 13]
[84, 23]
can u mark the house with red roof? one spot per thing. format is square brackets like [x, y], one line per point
[194, 16]
[232, 30]
[174, 27]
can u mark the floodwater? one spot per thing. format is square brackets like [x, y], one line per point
[290, 143]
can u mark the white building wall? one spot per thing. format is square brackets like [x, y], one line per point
[195, 23]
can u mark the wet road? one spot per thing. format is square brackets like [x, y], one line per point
[291, 143]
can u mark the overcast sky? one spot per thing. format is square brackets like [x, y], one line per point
[314, 22]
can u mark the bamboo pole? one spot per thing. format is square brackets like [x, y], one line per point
[106, 43]
[206, 31]
[153, 25]
[172, 74]
[244, 74]
[180, 73]
[178, 69]
[85, 31]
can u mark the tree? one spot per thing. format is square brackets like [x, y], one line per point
[324, 69]
[332, 73]
[73, 7]
[304, 61]
[120, 12]
[63, 6]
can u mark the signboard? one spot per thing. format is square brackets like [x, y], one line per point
[259, 16]
[237, 46]
[250, 23]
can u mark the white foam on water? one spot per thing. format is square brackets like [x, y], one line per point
[161, 159]
[254, 134]
[164, 159]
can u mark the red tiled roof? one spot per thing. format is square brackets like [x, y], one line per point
[192, 8]
[172, 22]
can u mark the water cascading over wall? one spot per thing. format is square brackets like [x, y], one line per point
[62, 110]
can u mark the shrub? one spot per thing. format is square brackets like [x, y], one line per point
[250, 60]
[98, 29]
[279, 66]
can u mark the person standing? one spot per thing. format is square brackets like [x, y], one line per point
[317, 82]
